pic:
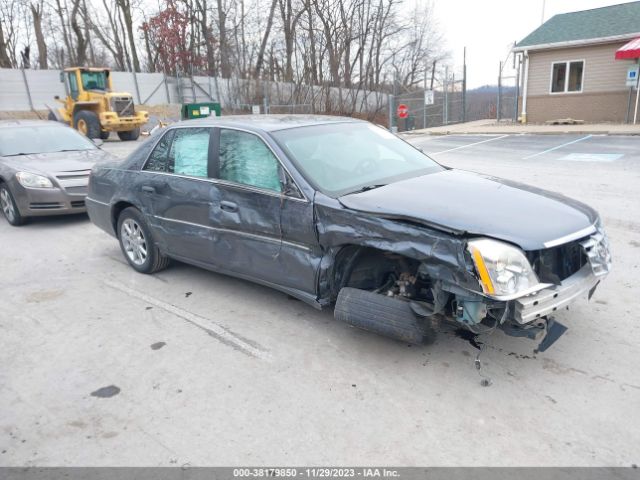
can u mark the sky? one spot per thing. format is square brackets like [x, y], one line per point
[488, 29]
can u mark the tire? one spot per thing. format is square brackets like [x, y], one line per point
[87, 123]
[388, 316]
[9, 207]
[137, 244]
[129, 135]
[104, 135]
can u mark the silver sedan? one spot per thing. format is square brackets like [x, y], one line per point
[44, 169]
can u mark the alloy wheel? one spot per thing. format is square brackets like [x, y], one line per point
[133, 241]
[7, 205]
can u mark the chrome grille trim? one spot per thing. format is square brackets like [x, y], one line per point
[597, 250]
[74, 181]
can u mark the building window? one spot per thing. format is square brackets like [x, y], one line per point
[567, 76]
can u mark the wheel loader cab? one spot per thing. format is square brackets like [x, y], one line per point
[99, 81]
[94, 109]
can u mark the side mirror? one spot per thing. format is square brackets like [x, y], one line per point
[98, 142]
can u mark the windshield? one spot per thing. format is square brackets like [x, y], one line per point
[94, 80]
[41, 139]
[347, 157]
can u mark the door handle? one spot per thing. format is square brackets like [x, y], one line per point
[148, 189]
[228, 206]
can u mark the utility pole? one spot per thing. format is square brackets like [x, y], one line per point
[424, 103]
[445, 113]
[464, 85]
[519, 66]
[499, 92]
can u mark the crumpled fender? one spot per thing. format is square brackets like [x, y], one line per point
[443, 255]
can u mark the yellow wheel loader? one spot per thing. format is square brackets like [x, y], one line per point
[93, 108]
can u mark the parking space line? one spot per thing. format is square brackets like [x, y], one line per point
[219, 332]
[559, 146]
[469, 145]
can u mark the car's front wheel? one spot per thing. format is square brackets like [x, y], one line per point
[137, 244]
[9, 207]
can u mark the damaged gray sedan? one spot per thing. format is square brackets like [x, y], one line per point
[338, 211]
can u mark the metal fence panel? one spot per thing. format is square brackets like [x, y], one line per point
[43, 85]
[234, 94]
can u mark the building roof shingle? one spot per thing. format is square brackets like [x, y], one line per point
[604, 22]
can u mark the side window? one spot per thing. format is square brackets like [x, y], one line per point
[159, 158]
[190, 151]
[73, 85]
[183, 151]
[245, 159]
[567, 76]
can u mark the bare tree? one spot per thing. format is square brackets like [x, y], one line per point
[125, 9]
[81, 41]
[265, 39]
[37, 12]
[5, 61]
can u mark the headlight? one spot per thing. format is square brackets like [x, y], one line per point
[504, 270]
[32, 180]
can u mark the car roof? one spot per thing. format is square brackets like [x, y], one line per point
[29, 123]
[269, 123]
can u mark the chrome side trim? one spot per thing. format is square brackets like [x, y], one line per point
[275, 241]
[572, 236]
[226, 183]
[89, 199]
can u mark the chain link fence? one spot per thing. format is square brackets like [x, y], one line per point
[508, 92]
[443, 103]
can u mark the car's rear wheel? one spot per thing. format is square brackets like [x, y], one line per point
[87, 123]
[137, 244]
[9, 207]
[129, 135]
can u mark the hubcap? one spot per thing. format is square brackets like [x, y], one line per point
[133, 241]
[7, 205]
[82, 126]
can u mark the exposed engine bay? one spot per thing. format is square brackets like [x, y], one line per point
[557, 276]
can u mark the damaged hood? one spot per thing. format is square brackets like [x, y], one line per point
[469, 203]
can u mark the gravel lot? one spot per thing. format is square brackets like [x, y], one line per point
[74, 318]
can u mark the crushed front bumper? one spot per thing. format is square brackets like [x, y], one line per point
[546, 302]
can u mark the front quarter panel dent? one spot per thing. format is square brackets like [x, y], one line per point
[442, 255]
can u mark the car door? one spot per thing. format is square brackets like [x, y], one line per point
[176, 191]
[264, 223]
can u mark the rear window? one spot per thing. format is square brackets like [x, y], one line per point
[41, 139]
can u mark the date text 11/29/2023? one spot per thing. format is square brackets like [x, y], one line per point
[317, 472]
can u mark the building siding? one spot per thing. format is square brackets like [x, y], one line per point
[602, 73]
[604, 96]
[590, 107]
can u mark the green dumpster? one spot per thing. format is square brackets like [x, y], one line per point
[200, 110]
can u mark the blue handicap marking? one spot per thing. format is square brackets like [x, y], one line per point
[592, 157]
